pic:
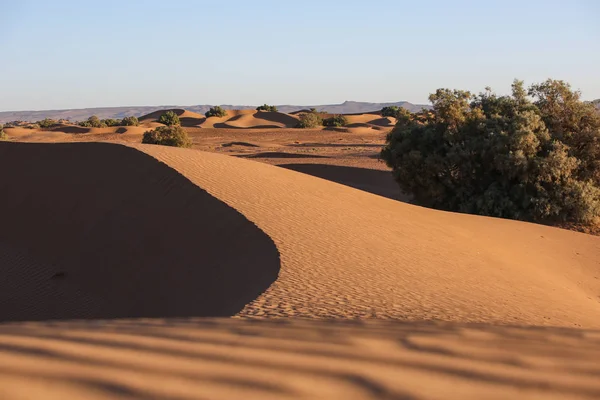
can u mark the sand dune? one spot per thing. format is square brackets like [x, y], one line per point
[293, 359]
[347, 253]
[102, 231]
[344, 253]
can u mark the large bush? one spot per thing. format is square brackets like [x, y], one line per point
[310, 120]
[534, 155]
[130, 121]
[215, 111]
[173, 135]
[336, 120]
[266, 107]
[169, 118]
[3, 135]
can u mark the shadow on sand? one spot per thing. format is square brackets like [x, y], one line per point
[373, 181]
[98, 230]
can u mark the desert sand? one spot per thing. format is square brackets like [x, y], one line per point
[388, 300]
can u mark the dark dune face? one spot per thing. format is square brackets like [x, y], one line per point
[95, 230]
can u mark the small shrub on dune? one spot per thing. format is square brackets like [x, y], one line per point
[130, 121]
[266, 107]
[46, 123]
[310, 120]
[169, 118]
[335, 121]
[111, 122]
[93, 122]
[216, 112]
[173, 135]
[3, 135]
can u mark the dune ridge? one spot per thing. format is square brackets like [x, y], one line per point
[349, 254]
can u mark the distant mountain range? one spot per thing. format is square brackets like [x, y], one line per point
[348, 107]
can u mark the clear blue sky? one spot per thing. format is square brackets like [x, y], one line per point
[78, 53]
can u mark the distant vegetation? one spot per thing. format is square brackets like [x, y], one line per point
[92, 122]
[534, 155]
[215, 111]
[46, 123]
[169, 118]
[336, 121]
[111, 122]
[391, 111]
[310, 119]
[266, 107]
[130, 121]
[173, 135]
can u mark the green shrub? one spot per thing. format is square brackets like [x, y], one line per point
[216, 111]
[93, 122]
[169, 118]
[336, 120]
[111, 122]
[46, 123]
[502, 156]
[266, 107]
[173, 135]
[310, 120]
[3, 135]
[390, 111]
[130, 121]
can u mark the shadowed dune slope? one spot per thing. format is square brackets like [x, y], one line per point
[96, 230]
[226, 359]
[370, 180]
[346, 253]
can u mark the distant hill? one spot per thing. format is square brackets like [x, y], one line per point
[348, 107]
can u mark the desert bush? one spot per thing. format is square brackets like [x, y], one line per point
[215, 111]
[336, 120]
[130, 121]
[173, 135]
[169, 118]
[46, 123]
[92, 122]
[390, 111]
[3, 135]
[31, 126]
[511, 156]
[111, 122]
[266, 107]
[310, 120]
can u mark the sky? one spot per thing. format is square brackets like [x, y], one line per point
[77, 54]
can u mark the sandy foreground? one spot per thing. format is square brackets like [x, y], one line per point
[100, 232]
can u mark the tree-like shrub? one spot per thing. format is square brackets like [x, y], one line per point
[266, 107]
[46, 123]
[310, 120]
[130, 121]
[169, 118]
[111, 122]
[390, 111]
[514, 157]
[173, 135]
[215, 111]
[336, 121]
[93, 122]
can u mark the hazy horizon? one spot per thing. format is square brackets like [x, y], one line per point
[69, 55]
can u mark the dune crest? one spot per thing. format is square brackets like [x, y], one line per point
[346, 253]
